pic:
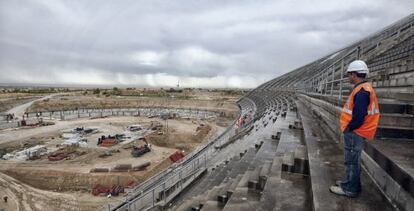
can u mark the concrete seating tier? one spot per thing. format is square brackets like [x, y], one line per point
[214, 182]
[285, 190]
[399, 51]
[396, 175]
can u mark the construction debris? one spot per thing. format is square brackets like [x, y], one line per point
[27, 154]
[105, 191]
[76, 142]
[165, 116]
[96, 170]
[108, 141]
[65, 153]
[82, 130]
[40, 123]
[76, 136]
[141, 150]
[122, 168]
[109, 153]
[99, 117]
[178, 155]
[155, 125]
[134, 128]
[58, 156]
[141, 167]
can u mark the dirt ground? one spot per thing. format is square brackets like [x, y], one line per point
[24, 197]
[34, 185]
[66, 184]
[8, 101]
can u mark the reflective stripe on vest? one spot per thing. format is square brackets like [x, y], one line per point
[370, 112]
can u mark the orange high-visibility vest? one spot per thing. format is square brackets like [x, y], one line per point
[368, 128]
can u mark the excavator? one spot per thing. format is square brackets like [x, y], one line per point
[141, 150]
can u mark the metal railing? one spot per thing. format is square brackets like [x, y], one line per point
[95, 113]
[330, 80]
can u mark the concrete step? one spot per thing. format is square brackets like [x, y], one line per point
[211, 179]
[284, 190]
[212, 202]
[212, 194]
[253, 180]
[246, 191]
[197, 203]
[242, 198]
[396, 132]
[393, 169]
[241, 167]
[288, 192]
[237, 165]
[296, 161]
[211, 206]
[263, 175]
[388, 106]
[187, 204]
[225, 195]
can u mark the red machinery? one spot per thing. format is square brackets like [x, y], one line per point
[177, 156]
[100, 189]
[57, 156]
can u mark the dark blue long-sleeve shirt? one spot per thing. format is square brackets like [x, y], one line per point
[360, 109]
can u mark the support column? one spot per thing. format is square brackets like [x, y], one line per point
[341, 81]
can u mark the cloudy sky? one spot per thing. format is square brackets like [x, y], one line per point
[158, 43]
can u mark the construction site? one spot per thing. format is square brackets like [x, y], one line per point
[54, 158]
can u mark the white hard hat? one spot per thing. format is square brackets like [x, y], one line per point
[358, 66]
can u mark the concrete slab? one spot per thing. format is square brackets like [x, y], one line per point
[396, 158]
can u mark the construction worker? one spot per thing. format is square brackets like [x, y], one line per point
[359, 122]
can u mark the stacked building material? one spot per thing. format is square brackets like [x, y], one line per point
[121, 168]
[141, 167]
[96, 170]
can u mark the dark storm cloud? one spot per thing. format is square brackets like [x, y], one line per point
[157, 43]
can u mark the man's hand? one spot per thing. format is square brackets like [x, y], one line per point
[346, 130]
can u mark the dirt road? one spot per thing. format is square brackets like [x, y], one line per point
[19, 110]
[23, 197]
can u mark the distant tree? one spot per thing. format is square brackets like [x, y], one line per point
[116, 91]
[96, 91]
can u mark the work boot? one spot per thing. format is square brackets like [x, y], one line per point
[339, 191]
